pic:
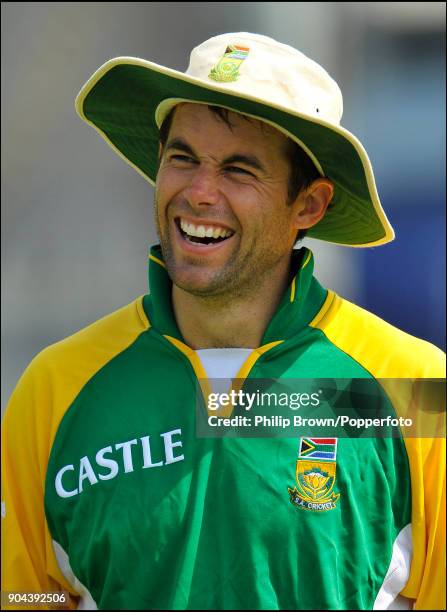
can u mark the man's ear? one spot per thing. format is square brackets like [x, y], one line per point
[311, 204]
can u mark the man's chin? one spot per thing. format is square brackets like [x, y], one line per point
[199, 287]
[205, 279]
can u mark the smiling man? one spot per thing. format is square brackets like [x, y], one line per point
[110, 495]
[231, 177]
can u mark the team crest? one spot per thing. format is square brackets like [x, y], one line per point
[227, 69]
[315, 475]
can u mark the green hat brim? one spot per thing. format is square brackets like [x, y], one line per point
[120, 101]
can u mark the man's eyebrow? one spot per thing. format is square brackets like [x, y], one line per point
[247, 160]
[181, 145]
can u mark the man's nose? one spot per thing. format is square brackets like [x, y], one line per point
[203, 187]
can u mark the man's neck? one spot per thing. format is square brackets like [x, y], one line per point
[229, 321]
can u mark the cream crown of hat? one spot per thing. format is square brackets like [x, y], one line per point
[127, 99]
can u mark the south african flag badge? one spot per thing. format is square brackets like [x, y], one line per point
[227, 69]
[315, 475]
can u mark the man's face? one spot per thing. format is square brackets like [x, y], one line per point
[221, 203]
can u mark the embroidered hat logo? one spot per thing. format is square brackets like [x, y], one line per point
[227, 69]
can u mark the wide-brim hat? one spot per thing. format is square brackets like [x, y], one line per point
[127, 99]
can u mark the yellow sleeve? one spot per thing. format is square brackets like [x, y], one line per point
[28, 561]
[426, 583]
[44, 393]
[388, 353]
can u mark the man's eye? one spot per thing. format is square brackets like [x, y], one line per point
[182, 158]
[237, 169]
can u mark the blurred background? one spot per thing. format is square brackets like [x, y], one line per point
[77, 221]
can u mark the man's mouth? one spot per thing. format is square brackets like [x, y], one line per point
[201, 233]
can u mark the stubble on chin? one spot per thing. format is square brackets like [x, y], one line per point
[238, 279]
[213, 286]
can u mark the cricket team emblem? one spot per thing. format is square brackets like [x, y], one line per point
[315, 475]
[227, 69]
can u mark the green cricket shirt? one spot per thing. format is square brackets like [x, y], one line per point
[110, 494]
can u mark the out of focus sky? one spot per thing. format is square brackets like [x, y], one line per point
[77, 221]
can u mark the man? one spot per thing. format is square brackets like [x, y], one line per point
[109, 493]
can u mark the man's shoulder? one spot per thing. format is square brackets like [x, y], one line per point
[382, 348]
[59, 372]
[64, 367]
[106, 336]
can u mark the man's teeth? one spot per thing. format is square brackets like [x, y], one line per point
[204, 231]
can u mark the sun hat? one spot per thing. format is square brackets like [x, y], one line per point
[127, 99]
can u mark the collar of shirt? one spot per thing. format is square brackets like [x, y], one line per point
[300, 303]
